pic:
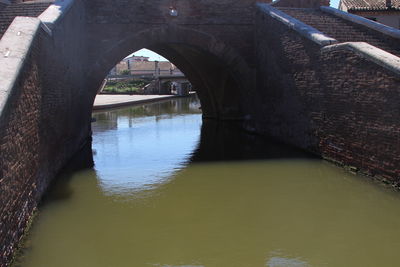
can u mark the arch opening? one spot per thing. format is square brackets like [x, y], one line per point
[214, 70]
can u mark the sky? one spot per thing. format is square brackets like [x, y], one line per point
[335, 3]
[154, 56]
[148, 53]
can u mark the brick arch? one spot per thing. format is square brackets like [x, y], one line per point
[216, 70]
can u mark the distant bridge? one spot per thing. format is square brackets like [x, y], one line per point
[161, 84]
[311, 76]
[162, 77]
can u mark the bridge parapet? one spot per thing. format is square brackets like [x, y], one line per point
[55, 12]
[339, 101]
[44, 104]
[9, 11]
[19, 121]
[298, 26]
[373, 25]
[370, 53]
[346, 29]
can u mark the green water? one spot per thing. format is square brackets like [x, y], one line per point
[167, 192]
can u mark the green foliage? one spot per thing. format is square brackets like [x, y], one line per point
[131, 86]
[125, 72]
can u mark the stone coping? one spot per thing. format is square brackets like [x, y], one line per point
[15, 46]
[369, 52]
[395, 33]
[275, 2]
[300, 27]
[55, 12]
[17, 41]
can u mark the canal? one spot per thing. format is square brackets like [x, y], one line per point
[167, 190]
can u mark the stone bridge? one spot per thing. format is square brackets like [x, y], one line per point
[310, 76]
[161, 84]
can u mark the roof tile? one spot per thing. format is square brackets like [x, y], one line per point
[370, 4]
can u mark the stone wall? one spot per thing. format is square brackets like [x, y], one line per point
[45, 115]
[335, 103]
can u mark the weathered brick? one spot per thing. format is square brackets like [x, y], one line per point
[338, 104]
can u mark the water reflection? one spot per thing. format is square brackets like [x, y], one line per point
[284, 262]
[280, 259]
[168, 132]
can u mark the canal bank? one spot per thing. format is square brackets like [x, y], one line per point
[113, 101]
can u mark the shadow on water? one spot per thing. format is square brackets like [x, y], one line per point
[59, 189]
[221, 141]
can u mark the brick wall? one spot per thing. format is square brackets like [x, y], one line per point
[335, 104]
[19, 163]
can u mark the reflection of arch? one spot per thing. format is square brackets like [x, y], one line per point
[219, 74]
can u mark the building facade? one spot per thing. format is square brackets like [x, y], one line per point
[141, 66]
[383, 11]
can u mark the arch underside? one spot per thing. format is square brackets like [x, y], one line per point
[217, 72]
